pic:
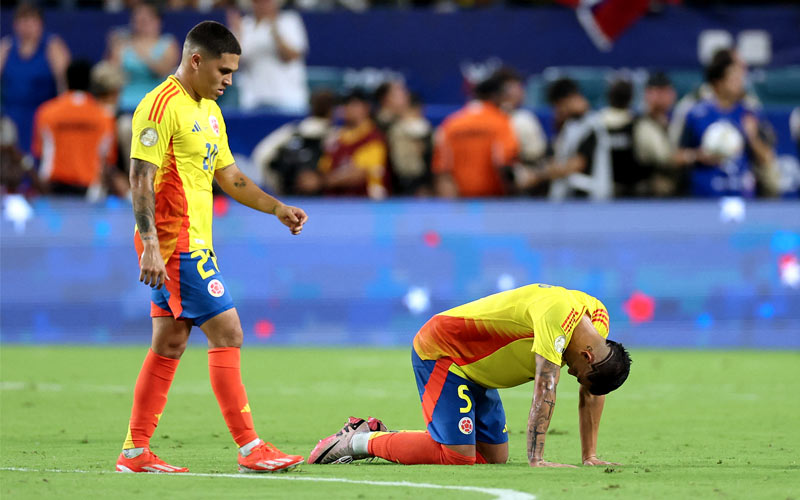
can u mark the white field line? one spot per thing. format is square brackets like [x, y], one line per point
[495, 493]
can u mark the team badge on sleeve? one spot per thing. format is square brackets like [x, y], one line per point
[465, 425]
[214, 124]
[560, 344]
[215, 288]
[148, 137]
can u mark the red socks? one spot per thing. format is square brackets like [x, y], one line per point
[413, 448]
[226, 380]
[149, 398]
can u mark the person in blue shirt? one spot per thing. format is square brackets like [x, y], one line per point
[714, 175]
[144, 54]
[33, 63]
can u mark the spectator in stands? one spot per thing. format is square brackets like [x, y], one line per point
[631, 179]
[735, 175]
[73, 137]
[144, 54]
[355, 163]
[581, 162]
[32, 65]
[291, 153]
[528, 129]
[594, 153]
[410, 146]
[651, 145]
[16, 170]
[272, 70]
[408, 137]
[106, 86]
[392, 100]
[475, 147]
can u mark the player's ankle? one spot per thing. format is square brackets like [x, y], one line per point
[248, 448]
[360, 443]
[132, 452]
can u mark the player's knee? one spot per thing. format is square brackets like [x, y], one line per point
[452, 457]
[497, 459]
[173, 350]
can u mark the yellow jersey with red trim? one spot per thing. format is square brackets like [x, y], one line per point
[188, 142]
[493, 341]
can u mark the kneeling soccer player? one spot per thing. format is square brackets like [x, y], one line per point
[179, 147]
[462, 356]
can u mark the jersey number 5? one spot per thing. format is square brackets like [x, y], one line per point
[211, 156]
[462, 390]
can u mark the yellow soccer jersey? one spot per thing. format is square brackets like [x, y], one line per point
[188, 141]
[492, 340]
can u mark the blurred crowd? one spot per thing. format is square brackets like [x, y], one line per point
[66, 130]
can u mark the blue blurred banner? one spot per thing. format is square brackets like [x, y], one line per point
[682, 274]
[432, 48]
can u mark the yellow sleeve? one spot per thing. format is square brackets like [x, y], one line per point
[151, 137]
[553, 327]
[225, 157]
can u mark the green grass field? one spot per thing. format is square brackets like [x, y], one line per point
[687, 424]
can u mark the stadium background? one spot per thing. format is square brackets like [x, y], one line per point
[694, 274]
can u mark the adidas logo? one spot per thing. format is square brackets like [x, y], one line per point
[196, 127]
[246, 408]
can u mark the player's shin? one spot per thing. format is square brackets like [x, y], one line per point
[413, 448]
[149, 399]
[226, 380]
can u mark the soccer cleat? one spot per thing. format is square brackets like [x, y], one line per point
[147, 461]
[267, 458]
[337, 449]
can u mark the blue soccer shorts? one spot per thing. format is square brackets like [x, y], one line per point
[195, 289]
[456, 409]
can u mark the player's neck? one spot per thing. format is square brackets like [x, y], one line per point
[185, 82]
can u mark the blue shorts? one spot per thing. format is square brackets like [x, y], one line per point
[195, 289]
[457, 410]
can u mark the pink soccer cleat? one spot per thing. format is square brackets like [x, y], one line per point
[337, 449]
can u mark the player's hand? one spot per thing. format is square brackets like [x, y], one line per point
[152, 271]
[597, 461]
[291, 217]
[542, 463]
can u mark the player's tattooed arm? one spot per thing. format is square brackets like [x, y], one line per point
[544, 401]
[152, 271]
[245, 191]
[144, 198]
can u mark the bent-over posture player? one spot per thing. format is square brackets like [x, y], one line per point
[462, 356]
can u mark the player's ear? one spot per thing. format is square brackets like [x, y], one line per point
[195, 60]
[588, 356]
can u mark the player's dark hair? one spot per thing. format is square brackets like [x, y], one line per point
[214, 39]
[620, 94]
[79, 75]
[612, 371]
[720, 61]
[561, 89]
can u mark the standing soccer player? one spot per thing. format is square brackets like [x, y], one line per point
[179, 147]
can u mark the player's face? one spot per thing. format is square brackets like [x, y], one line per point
[216, 75]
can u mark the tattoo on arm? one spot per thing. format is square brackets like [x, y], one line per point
[544, 401]
[143, 197]
[240, 183]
